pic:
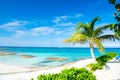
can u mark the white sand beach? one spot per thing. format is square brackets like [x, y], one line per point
[5, 68]
[113, 73]
[18, 73]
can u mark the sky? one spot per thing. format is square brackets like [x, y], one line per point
[47, 23]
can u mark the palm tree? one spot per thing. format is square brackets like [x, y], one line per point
[116, 28]
[87, 33]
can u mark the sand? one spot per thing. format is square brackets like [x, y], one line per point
[18, 73]
[111, 72]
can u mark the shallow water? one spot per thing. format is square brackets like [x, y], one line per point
[42, 53]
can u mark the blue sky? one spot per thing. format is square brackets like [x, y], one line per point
[46, 23]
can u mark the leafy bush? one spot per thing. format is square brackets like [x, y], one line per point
[32, 79]
[112, 54]
[101, 61]
[94, 66]
[104, 58]
[69, 74]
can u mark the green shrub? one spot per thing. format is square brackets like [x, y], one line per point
[112, 54]
[49, 77]
[104, 58]
[101, 61]
[32, 79]
[94, 66]
[69, 74]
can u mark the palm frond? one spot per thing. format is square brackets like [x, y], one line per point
[93, 22]
[99, 30]
[80, 38]
[79, 26]
[84, 29]
[112, 1]
[89, 30]
[76, 38]
[88, 24]
[99, 45]
[68, 40]
[109, 37]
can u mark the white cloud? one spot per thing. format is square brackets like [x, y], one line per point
[78, 15]
[63, 18]
[66, 24]
[19, 33]
[58, 19]
[42, 30]
[59, 32]
[64, 31]
[13, 25]
[45, 30]
[112, 44]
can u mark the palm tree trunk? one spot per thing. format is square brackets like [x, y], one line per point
[92, 53]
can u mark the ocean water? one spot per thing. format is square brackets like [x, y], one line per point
[42, 53]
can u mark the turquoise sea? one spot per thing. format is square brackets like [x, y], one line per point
[42, 53]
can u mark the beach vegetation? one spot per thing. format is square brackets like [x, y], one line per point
[69, 74]
[94, 66]
[87, 33]
[101, 61]
[104, 58]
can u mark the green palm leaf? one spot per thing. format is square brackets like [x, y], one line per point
[108, 37]
[77, 38]
[99, 45]
[99, 30]
[93, 22]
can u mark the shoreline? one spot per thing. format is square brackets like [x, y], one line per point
[113, 72]
[13, 69]
[27, 75]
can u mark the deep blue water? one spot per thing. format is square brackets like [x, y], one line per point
[42, 53]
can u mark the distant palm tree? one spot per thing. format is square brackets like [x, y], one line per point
[87, 33]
